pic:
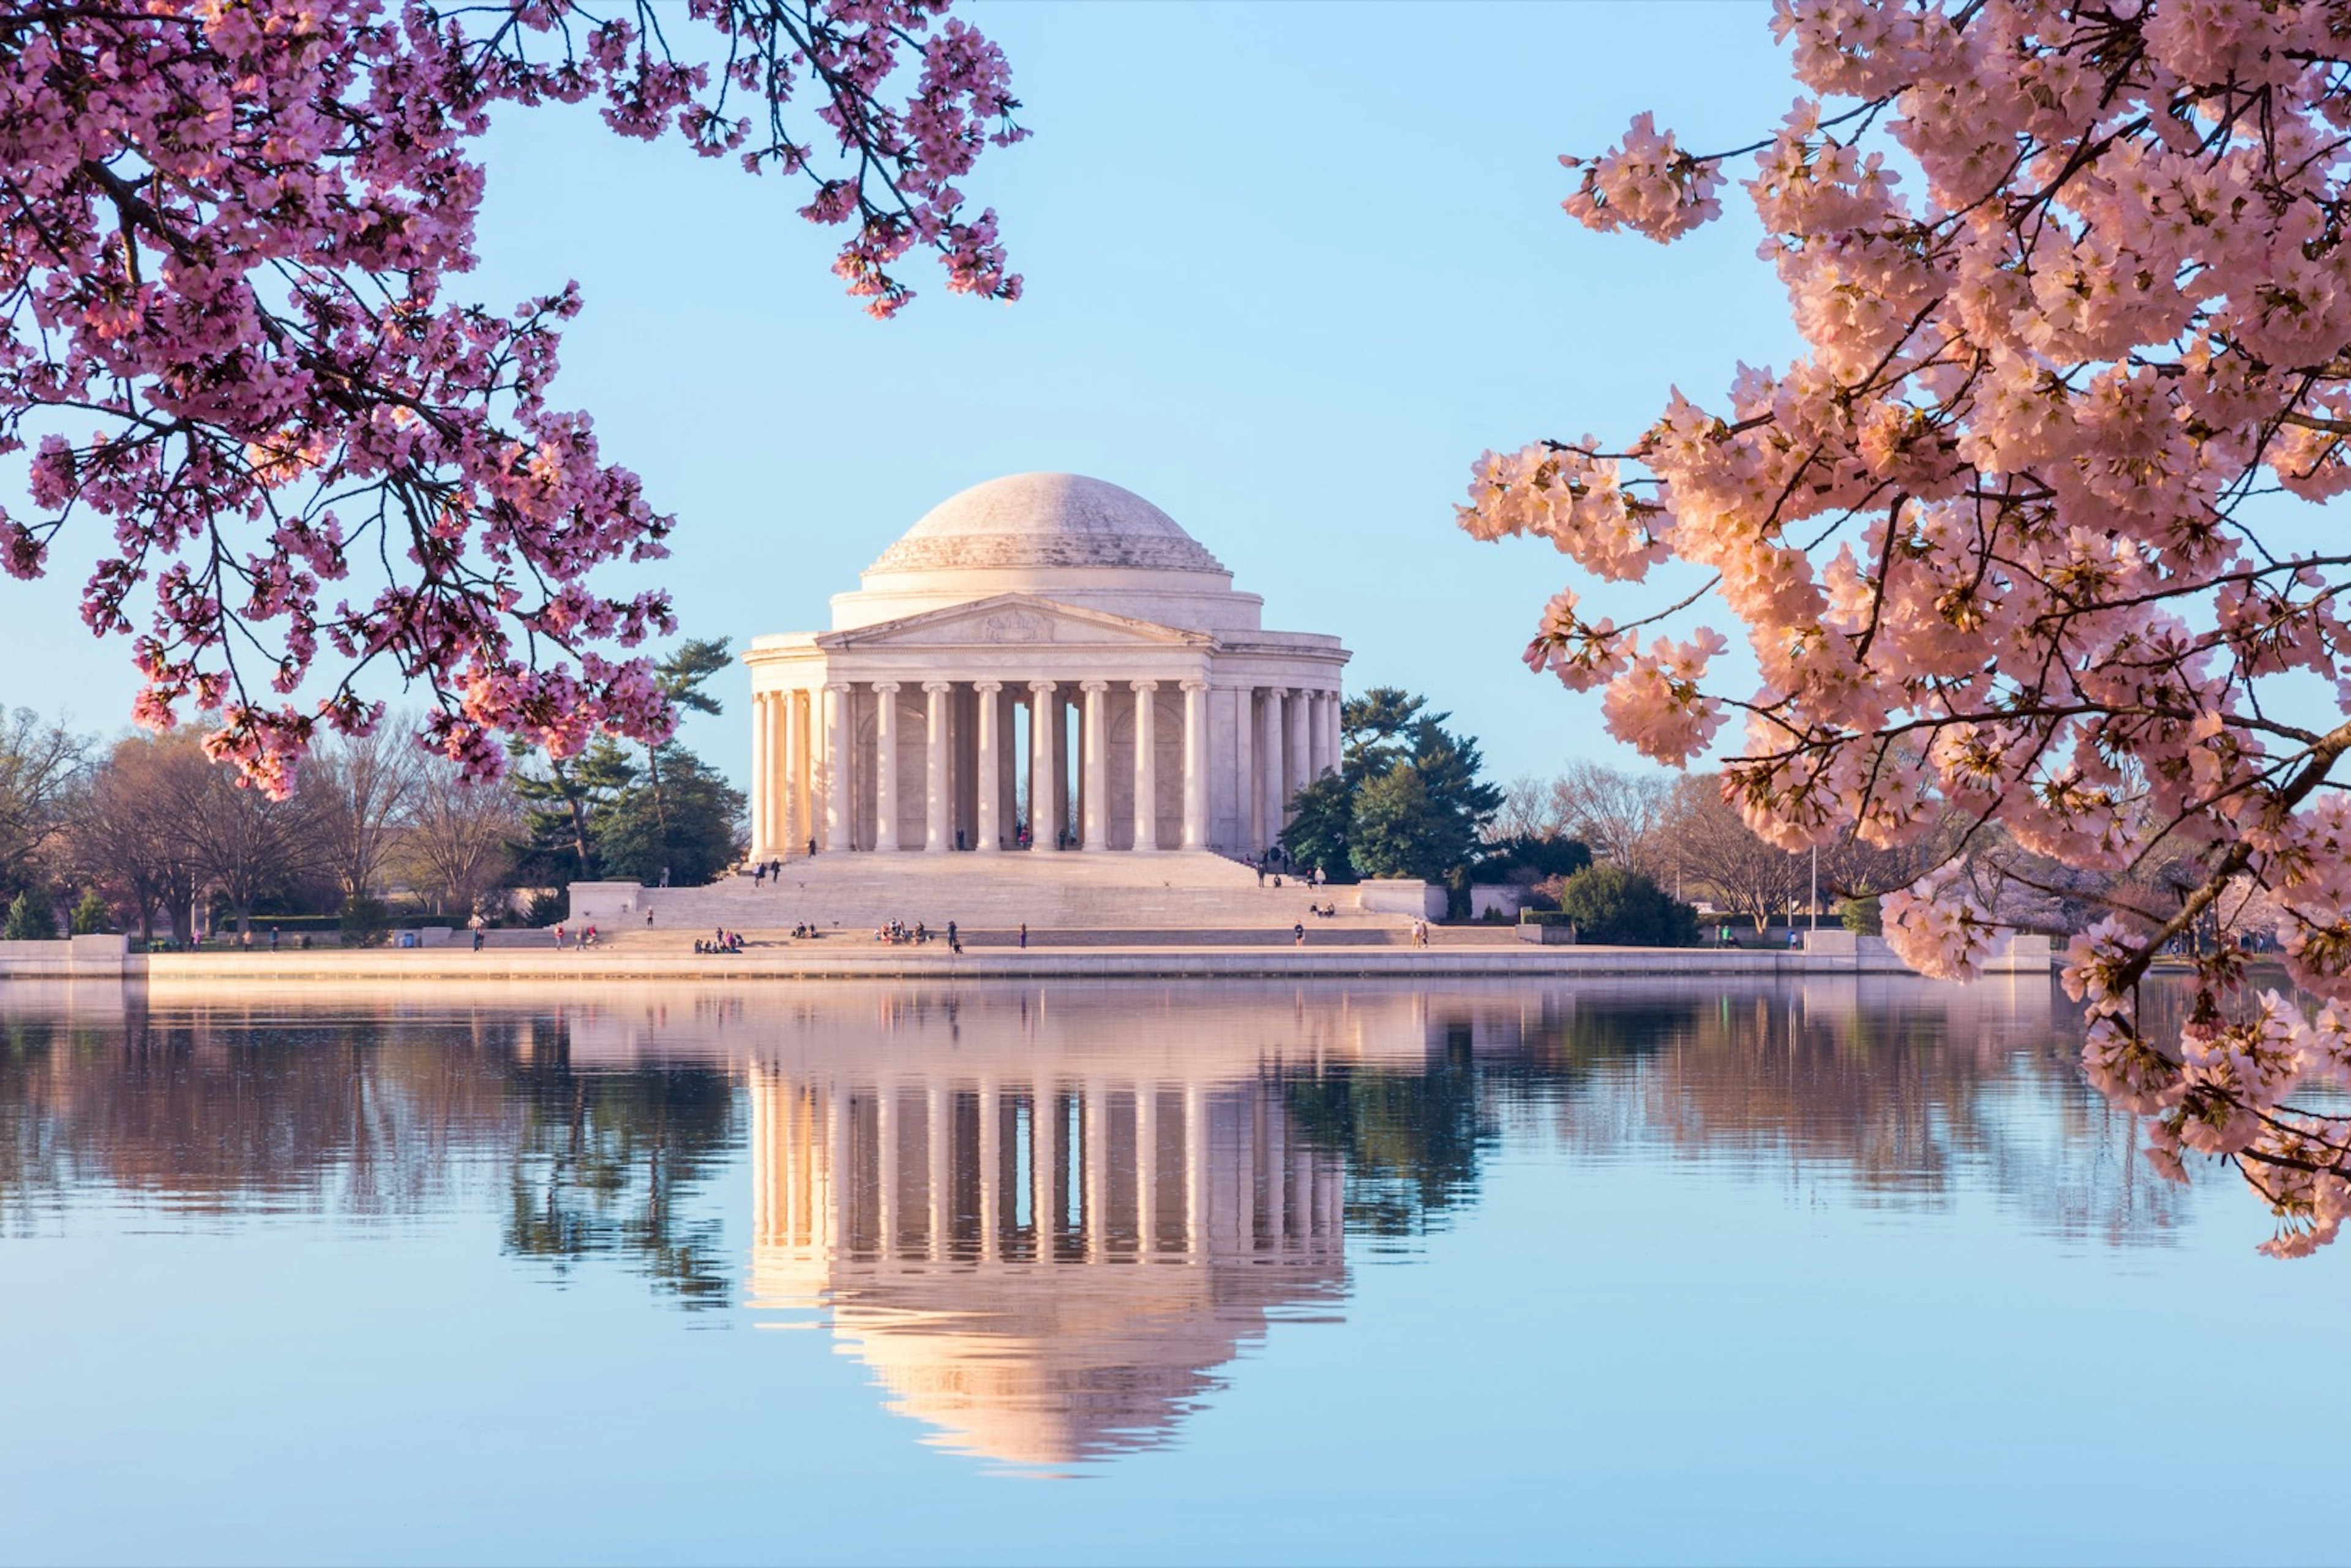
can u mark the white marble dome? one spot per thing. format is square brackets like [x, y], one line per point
[1046, 520]
[1065, 537]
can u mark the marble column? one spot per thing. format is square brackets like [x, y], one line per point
[1146, 768]
[763, 786]
[991, 781]
[1246, 790]
[1269, 737]
[836, 765]
[1297, 770]
[938, 837]
[1044, 769]
[1195, 765]
[1324, 705]
[800, 820]
[1095, 737]
[885, 765]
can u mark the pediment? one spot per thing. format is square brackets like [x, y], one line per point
[1014, 619]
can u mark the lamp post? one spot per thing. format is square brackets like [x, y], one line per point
[1816, 887]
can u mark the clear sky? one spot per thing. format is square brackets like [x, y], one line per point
[1291, 268]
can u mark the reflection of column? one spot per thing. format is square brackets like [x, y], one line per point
[1269, 768]
[936, 1133]
[836, 765]
[1095, 737]
[763, 1133]
[991, 781]
[1295, 772]
[885, 1136]
[1044, 1157]
[991, 1160]
[836, 1164]
[1146, 768]
[1195, 765]
[1044, 775]
[885, 765]
[1096, 1129]
[1147, 1166]
[936, 839]
[1196, 1174]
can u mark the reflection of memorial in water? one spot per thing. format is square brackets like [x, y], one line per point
[1048, 1264]
[1046, 1217]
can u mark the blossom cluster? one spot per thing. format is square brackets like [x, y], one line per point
[224, 258]
[2007, 543]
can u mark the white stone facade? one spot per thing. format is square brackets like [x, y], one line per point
[1043, 660]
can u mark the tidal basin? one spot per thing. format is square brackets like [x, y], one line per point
[1347, 1271]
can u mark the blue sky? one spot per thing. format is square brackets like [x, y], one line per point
[1290, 267]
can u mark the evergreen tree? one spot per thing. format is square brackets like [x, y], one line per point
[686, 830]
[1406, 801]
[680, 677]
[30, 919]
[562, 799]
[91, 916]
[1323, 830]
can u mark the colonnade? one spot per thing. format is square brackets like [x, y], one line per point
[831, 767]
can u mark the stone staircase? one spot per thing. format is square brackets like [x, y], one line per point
[1049, 890]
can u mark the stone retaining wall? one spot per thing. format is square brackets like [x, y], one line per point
[848, 958]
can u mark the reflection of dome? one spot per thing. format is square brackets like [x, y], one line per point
[1048, 1270]
[1045, 520]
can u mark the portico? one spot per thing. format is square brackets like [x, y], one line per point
[1044, 661]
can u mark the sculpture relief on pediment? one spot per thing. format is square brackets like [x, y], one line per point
[1017, 627]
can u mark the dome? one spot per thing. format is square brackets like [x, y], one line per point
[1026, 520]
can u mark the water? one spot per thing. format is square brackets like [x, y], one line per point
[1830, 1271]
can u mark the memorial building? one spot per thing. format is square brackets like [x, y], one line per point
[1044, 662]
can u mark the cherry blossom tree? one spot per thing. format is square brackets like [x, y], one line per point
[2029, 538]
[227, 334]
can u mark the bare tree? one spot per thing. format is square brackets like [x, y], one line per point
[456, 844]
[244, 843]
[40, 764]
[1620, 815]
[1530, 809]
[126, 828]
[359, 788]
[1746, 875]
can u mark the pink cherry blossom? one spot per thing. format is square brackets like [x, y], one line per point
[2013, 542]
[226, 256]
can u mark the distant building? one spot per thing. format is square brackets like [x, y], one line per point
[1042, 651]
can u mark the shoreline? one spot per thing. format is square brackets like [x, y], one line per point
[865, 962]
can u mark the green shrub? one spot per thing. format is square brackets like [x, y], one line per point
[1861, 915]
[1609, 904]
[91, 917]
[365, 920]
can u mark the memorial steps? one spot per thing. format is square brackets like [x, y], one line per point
[1068, 890]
